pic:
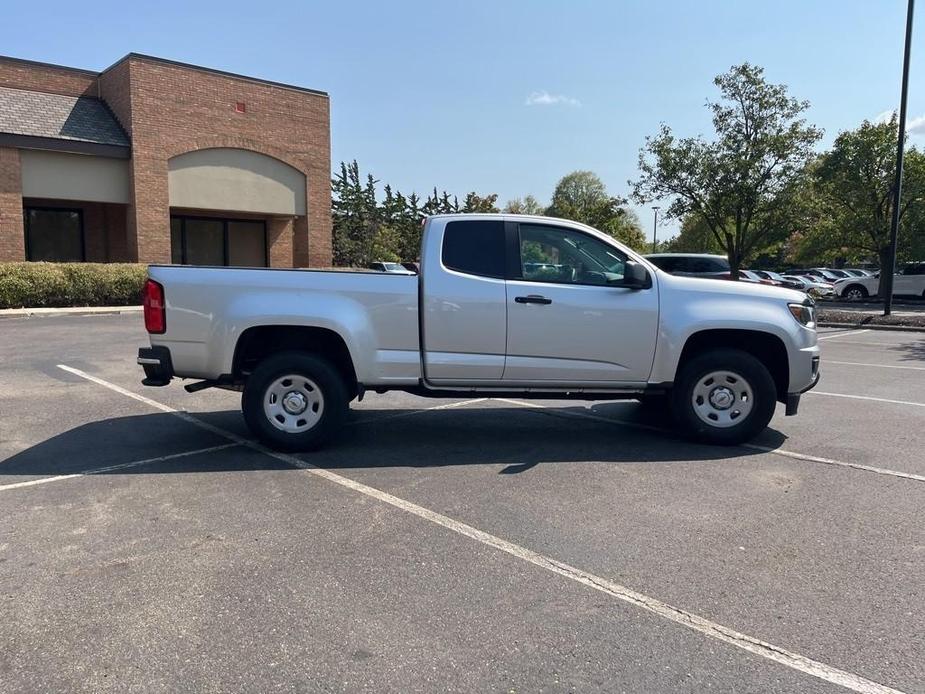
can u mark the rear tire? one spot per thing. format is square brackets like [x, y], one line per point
[294, 401]
[724, 397]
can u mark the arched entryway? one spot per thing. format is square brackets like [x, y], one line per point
[230, 206]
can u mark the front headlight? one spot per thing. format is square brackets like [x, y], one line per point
[804, 313]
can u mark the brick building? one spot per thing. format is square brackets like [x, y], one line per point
[156, 161]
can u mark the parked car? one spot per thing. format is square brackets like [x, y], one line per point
[812, 286]
[825, 274]
[834, 272]
[752, 276]
[692, 264]
[909, 282]
[397, 268]
[780, 279]
[609, 325]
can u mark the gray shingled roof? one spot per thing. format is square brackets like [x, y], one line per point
[82, 119]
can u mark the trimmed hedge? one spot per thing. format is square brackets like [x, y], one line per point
[33, 285]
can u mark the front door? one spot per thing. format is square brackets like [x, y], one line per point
[567, 324]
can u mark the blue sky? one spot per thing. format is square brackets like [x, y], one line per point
[507, 96]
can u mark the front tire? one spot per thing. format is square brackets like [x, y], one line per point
[294, 401]
[855, 292]
[724, 397]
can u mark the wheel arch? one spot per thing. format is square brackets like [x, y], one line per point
[768, 348]
[259, 342]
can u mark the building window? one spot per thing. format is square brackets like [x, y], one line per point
[54, 234]
[210, 241]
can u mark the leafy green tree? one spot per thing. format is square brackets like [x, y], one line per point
[527, 205]
[366, 230]
[355, 216]
[743, 183]
[477, 203]
[854, 182]
[582, 197]
[695, 237]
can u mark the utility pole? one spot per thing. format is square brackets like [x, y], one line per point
[655, 209]
[886, 273]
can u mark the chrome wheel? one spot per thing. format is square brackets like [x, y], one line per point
[293, 404]
[722, 399]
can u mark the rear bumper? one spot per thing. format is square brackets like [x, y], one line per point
[157, 365]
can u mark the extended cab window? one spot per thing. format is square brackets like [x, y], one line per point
[565, 256]
[475, 247]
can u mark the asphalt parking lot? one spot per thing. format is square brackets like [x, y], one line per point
[146, 544]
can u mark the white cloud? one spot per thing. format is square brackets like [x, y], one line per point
[544, 98]
[883, 117]
[915, 125]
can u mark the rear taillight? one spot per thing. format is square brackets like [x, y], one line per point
[155, 313]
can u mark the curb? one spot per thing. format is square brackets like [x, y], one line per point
[872, 326]
[67, 311]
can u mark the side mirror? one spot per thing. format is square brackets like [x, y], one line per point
[635, 276]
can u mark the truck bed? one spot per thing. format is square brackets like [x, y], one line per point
[211, 307]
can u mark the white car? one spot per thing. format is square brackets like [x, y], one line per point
[909, 282]
[505, 305]
[812, 285]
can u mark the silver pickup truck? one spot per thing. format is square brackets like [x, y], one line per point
[504, 305]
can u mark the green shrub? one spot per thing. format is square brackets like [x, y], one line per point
[34, 285]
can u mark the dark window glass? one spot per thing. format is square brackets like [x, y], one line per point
[565, 256]
[176, 241]
[205, 242]
[666, 264]
[915, 270]
[247, 244]
[234, 242]
[54, 235]
[475, 247]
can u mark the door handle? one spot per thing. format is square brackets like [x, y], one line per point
[532, 299]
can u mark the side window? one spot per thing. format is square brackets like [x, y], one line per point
[668, 264]
[564, 256]
[475, 247]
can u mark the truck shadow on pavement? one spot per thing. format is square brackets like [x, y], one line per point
[515, 438]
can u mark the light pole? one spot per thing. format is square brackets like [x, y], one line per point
[886, 274]
[655, 209]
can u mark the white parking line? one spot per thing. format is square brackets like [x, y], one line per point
[686, 619]
[849, 332]
[753, 446]
[112, 468]
[866, 397]
[877, 366]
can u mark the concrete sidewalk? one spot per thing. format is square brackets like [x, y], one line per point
[64, 311]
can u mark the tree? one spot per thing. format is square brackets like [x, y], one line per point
[743, 183]
[855, 185]
[477, 203]
[355, 216]
[582, 196]
[527, 205]
[695, 237]
[366, 231]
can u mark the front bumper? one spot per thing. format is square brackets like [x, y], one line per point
[157, 365]
[793, 399]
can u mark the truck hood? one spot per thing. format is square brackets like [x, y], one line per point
[703, 285]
